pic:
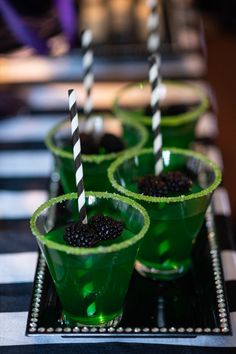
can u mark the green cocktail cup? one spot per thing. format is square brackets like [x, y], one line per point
[188, 101]
[175, 222]
[90, 282]
[95, 167]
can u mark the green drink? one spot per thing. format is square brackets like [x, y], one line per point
[188, 103]
[133, 135]
[174, 221]
[90, 282]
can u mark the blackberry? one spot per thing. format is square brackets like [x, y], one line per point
[177, 182]
[111, 143]
[88, 144]
[80, 235]
[170, 184]
[153, 186]
[106, 228]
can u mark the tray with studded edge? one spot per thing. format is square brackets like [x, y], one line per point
[193, 305]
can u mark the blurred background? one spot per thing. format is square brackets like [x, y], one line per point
[220, 31]
[40, 51]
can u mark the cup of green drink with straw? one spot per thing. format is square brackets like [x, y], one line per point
[104, 137]
[90, 242]
[182, 103]
[175, 187]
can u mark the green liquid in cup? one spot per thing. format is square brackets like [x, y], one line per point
[94, 166]
[175, 222]
[95, 175]
[178, 129]
[90, 301]
[168, 243]
[91, 282]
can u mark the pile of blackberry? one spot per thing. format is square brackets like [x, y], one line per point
[106, 144]
[173, 110]
[168, 185]
[99, 228]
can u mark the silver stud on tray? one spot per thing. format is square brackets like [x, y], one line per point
[32, 330]
[119, 330]
[128, 329]
[155, 329]
[225, 329]
[181, 330]
[163, 330]
[111, 329]
[198, 330]
[102, 330]
[207, 330]
[67, 329]
[216, 330]
[137, 330]
[58, 330]
[50, 330]
[189, 330]
[93, 329]
[172, 329]
[146, 330]
[41, 329]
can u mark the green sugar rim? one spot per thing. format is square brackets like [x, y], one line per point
[167, 121]
[101, 157]
[95, 250]
[112, 168]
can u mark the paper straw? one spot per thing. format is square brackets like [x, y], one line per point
[154, 79]
[77, 156]
[153, 40]
[88, 78]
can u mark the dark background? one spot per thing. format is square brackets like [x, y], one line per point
[220, 28]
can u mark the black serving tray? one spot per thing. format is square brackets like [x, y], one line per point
[191, 306]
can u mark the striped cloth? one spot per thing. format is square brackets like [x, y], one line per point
[23, 186]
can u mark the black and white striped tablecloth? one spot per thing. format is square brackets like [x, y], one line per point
[25, 167]
[38, 69]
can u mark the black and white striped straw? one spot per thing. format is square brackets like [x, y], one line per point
[154, 79]
[77, 156]
[88, 77]
[153, 28]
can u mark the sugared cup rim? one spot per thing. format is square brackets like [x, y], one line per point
[167, 121]
[96, 158]
[140, 197]
[94, 250]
